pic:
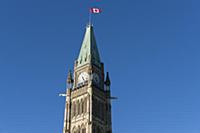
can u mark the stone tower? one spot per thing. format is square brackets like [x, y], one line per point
[88, 105]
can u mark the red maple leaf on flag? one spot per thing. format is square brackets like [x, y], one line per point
[95, 10]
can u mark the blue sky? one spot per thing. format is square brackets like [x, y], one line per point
[150, 47]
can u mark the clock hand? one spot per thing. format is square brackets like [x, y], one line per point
[83, 78]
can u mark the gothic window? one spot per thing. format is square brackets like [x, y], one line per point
[98, 108]
[85, 105]
[95, 107]
[84, 130]
[79, 130]
[94, 129]
[98, 130]
[82, 106]
[78, 107]
[74, 130]
[103, 111]
[73, 109]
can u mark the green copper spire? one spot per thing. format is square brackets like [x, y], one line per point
[89, 51]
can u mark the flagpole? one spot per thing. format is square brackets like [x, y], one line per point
[90, 17]
[93, 11]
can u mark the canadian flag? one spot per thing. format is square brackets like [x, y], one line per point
[95, 10]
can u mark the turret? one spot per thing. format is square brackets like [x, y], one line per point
[70, 79]
[107, 82]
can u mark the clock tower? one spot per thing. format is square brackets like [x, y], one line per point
[88, 105]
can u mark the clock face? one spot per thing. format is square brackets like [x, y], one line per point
[96, 78]
[84, 76]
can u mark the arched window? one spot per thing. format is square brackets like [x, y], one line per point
[98, 130]
[84, 130]
[82, 106]
[85, 105]
[74, 130]
[78, 107]
[79, 130]
[103, 111]
[93, 128]
[98, 109]
[73, 109]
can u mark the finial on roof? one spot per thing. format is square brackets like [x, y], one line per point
[69, 77]
[107, 82]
